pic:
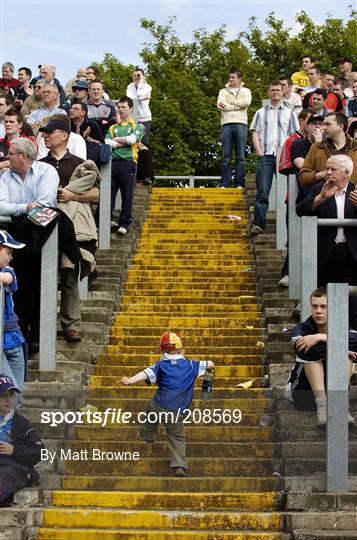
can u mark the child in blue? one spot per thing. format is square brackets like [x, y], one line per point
[175, 376]
[13, 347]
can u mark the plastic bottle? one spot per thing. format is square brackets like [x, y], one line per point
[207, 385]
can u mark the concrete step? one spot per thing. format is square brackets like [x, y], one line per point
[318, 534]
[159, 519]
[193, 433]
[173, 501]
[131, 359]
[224, 484]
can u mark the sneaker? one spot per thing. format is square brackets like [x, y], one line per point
[122, 230]
[351, 420]
[179, 472]
[321, 415]
[284, 281]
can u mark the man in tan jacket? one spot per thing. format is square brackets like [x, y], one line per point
[233, 102]
[336, 141]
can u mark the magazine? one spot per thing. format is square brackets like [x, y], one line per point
[41, 215]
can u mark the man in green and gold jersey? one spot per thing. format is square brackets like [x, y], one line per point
[124, 138]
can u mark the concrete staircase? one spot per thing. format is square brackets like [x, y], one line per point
[263, 478]
[311, 514]
[192, 272]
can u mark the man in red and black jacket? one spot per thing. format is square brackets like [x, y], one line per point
[332, 101]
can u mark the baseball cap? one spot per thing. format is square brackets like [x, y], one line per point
[314, 119]
[6, 384]
[7, 240]
[56, 124]
[82, 85]
[170, 341]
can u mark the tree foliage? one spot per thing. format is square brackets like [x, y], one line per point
[186, 78]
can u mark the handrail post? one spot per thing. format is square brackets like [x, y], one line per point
[83, 288]
[192, 181]
[104, 206]
[294, 243]
[48, 308]
[281, 187]
[2, 296]
[337, 388]
[309, 268]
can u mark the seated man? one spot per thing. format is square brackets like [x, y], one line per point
[23, 90]
[20, 445]
[34, 102]
[100, 109]
[41, 182]
[13, 129]
[336, 246]
[336, 141]
[306, 384]
[48, 74]
[332, 101]
[56, 135]
[88, 129]
[76, 145]
[7, 81]
[40, 117]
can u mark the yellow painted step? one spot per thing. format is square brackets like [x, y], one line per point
[194, 450]
[108, 374]
[194, 433]
[156, 332]
[95, 534]
[160, 467]
[160, 501]
[168, 484]
[240, 320]
[113, 519]
[131, 359]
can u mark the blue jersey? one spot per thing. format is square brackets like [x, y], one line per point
[175, 376]
[5, 429]
[12, 338]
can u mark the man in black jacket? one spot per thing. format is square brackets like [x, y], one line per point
[20, 445]
[336, 246]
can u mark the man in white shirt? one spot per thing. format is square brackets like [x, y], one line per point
[139, 90]
[25, 185]
[270, 127]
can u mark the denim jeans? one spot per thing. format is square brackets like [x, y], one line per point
[14, 367]
[123, 178]
[233, 136]
[264, 178]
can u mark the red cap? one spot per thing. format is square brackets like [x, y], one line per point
[170, 342]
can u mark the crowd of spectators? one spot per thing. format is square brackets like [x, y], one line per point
[54, 139]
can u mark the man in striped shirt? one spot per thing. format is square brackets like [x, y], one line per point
[50, 98]
[270, 127]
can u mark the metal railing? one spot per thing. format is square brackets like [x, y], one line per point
[309, 226]
[48, 301]
[337, 381]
